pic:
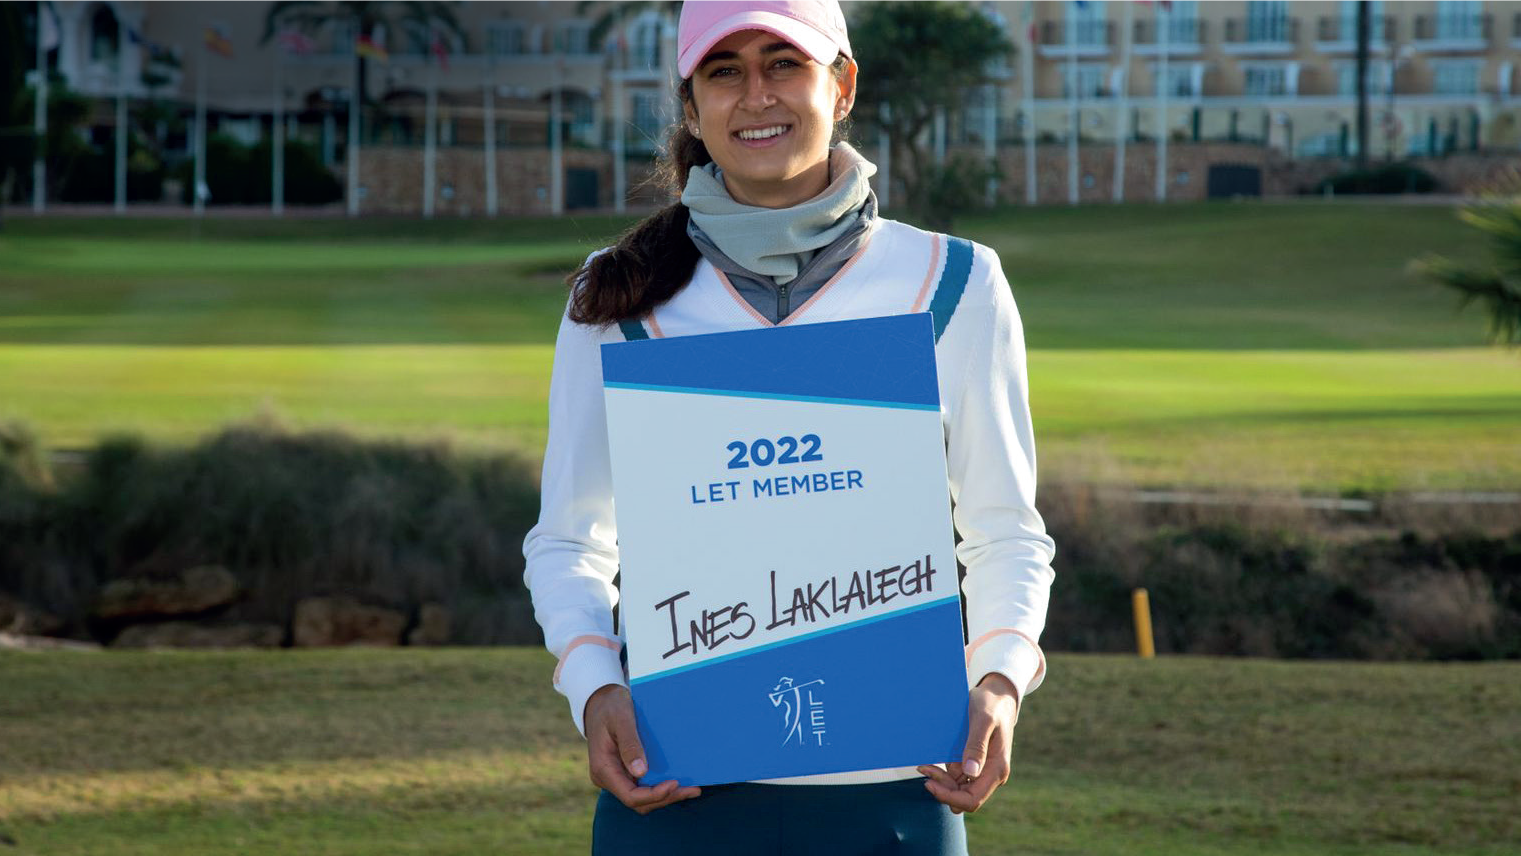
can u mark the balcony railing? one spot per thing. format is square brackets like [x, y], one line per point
[1344, 29]
[1087, 34]
[1252, 32]
[1438, 28]
[1180, 32]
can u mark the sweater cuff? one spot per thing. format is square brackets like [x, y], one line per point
[588, 666]
[1010, 653]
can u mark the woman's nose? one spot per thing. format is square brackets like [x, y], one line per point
[757, 92]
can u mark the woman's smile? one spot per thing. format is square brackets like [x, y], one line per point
[763, 136]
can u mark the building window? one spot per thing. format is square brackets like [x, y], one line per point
[646, 44]
[1092, 81]
[103, 35]
[1379, 80]
[648, 123]
[1348, 31]
[1266, 79]
[1092, 25]
[1458, 19]
[1455, 76]
[1183, 22]
[507, 38]
[1180, 78]
[1267, 21]
[573, 37]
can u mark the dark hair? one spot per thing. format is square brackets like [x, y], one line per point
[654, 259]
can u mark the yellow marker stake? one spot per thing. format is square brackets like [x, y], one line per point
[1142, 608]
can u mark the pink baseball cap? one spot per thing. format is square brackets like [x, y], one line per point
[815, 26]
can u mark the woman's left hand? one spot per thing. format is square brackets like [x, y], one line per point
[965, 786]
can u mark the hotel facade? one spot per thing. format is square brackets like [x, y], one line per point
[575, 121]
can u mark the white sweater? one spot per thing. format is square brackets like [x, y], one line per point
[572, 553]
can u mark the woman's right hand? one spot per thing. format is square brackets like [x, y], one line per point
[615, 756]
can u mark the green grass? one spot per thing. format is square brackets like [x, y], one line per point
[1275, 346]
[469, 751]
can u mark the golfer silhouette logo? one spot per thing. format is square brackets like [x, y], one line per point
[789, 697]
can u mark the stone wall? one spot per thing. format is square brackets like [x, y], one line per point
[392, 180]
[393, 177]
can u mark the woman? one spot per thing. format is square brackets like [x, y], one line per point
[777, 226]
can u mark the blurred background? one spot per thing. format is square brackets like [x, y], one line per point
[279, 287]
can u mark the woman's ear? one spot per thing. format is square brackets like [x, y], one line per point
[847, 87]
[689, 113]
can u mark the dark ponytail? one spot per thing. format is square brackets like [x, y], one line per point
[652, 260]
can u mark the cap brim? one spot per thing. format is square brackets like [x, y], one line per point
[819, 47]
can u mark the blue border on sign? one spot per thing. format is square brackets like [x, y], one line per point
[866, 360]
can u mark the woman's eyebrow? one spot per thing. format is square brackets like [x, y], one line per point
[772, 48]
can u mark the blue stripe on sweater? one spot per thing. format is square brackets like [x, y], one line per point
[633, 330]
[952, 284]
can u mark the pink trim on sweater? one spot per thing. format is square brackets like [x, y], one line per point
[929, 275]
[577, 642]
[741, 300]
[825, 287]
[654, 326]
[1000, 631]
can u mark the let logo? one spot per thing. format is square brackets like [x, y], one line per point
[801, 709]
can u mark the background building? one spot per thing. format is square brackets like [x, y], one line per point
[578, 100]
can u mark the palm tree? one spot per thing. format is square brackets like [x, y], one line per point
[615, 15]
[310, 17]
[1498, 283]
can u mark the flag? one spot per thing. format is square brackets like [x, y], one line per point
[296, 42]
[368, 47]
[440, 50]
[217, 42]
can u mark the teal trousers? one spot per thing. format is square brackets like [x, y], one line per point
[744, 819]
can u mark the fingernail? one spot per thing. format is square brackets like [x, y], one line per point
[971, 767]
[638, 768]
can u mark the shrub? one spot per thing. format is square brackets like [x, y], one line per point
[290, 514]
[1389, 178]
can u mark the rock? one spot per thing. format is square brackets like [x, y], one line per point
[195, 590]
[189, 634]
[23, 619]
[19, 642]
[326, 621]
[432, 626]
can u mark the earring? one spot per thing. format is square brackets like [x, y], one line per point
[697, 132]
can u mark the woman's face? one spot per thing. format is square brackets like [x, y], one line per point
[766, 112]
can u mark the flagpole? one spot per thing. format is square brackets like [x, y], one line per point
[884, 158]
[1164, 23]
[1028, 73]
[1074, 121]
[489, 95]
[121, 113]
[40, 120]
[556, 157]
[990, 139]
[277, 134]
[1122, 104]
[353, 147]
[201, 70]
[430, 130]
[620, 126]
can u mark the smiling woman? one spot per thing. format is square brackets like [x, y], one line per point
[777, 225]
